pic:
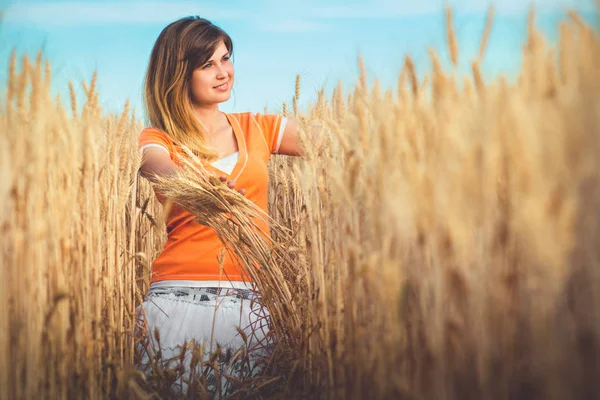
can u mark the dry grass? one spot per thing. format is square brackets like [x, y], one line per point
[443, 242]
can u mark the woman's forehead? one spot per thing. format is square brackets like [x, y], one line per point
[220, 49]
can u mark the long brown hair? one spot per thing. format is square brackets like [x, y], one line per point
[181, 47]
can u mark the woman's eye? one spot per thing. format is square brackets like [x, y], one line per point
[226, 58]
[207, 66]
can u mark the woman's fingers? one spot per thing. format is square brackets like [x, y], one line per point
[231, 184]
[223, 178]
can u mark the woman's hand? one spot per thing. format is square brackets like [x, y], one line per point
[231, 184]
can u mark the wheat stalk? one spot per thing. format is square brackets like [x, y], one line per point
[450, 35]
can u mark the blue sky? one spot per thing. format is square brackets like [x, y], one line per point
[273, 40]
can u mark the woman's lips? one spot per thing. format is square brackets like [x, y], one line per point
[222, 87]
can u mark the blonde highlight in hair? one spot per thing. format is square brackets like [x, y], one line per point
[181, 47]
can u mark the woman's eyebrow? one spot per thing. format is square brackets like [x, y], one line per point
[213, 59]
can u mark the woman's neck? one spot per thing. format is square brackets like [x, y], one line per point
[210, 117]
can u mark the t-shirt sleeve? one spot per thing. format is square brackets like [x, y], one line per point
[151, 137]
[272, 127]
[154, 138]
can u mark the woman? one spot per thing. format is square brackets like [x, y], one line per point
[191, 297]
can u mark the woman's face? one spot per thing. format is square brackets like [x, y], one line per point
[212, 82]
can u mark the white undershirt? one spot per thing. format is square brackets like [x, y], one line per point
[227, 164]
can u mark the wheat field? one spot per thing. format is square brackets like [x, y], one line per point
[441, 243]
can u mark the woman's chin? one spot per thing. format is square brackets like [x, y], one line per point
[224, 97]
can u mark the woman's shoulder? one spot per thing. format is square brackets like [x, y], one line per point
[152, 129]
[151, 134]
[245, 120]
[241, 116]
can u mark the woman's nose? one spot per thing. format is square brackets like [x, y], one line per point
[221, 72]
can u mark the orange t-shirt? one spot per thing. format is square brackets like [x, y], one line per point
[191, 250]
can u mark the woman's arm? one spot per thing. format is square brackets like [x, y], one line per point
[158, 162]
[290, 142]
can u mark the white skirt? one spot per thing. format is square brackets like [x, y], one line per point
[230, 319]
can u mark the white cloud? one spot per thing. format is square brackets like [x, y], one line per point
[133, 12]
[376, 10]
[295, 25]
